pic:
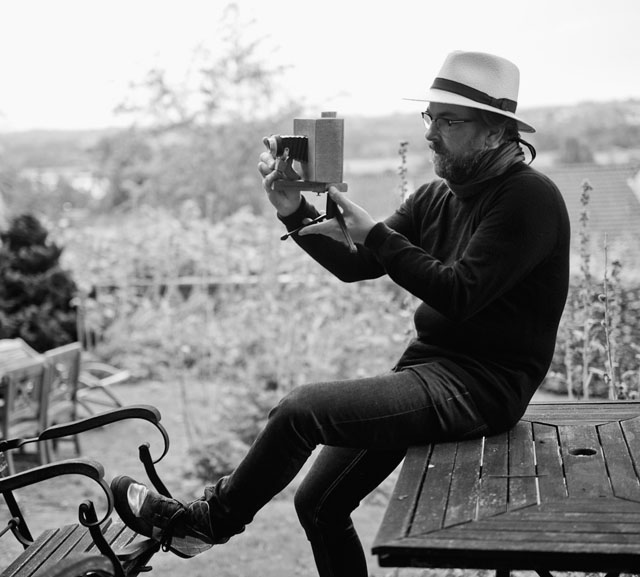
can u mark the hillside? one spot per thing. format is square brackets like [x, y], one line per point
[600, 126]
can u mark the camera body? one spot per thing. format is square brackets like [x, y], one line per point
[317, 147]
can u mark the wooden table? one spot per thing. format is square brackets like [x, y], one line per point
[560, 491]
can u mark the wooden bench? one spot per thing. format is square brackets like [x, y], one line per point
[560, 491]
[95, 545]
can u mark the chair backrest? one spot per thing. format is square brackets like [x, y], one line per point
[64, 373]
[13, 352]
[24, 393]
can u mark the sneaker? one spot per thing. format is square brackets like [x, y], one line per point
[182, 529]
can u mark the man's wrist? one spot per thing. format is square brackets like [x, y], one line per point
[294, 219]
[287, 213]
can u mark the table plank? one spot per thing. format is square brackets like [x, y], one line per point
[492, 496]
[462, 503]
[398, 518]
[631, 431]
[434, 495]
[622, 474]
[522, 471]
[523, 555]
[584, 466]
[581, 412]
[551, 482]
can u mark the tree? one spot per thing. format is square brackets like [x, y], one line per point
[36, 294]
[575, 152]
[198, 139]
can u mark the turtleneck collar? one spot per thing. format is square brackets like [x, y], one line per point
[492, 163]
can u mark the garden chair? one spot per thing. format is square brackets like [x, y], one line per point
[63, 366]
[98, 377]
[13, 352]
[23, 405]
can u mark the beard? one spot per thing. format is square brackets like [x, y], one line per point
[456, 168]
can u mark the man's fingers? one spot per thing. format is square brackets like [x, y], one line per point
[327, 228]
[267, 158]
[265, 169]
[267, 163]
[340, 199]
[270, 178]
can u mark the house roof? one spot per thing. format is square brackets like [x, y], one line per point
[614, 206]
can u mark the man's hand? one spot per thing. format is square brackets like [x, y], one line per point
[285, 202]
[358, 220]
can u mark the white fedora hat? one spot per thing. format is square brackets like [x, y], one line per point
[479, 80]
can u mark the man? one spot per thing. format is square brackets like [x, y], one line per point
[485, 248]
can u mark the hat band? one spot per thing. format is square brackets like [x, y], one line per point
[447, 85]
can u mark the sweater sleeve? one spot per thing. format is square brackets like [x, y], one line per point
[331, 254]
[517, 230]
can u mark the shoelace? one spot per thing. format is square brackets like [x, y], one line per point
[167, 534]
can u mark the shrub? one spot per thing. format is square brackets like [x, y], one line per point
[36, 294]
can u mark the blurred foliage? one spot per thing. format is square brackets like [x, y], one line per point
[190, 139]
[598, 346]
[231, 318]
[228, 315]
[195, 280]
[36, 294]
[22, 195]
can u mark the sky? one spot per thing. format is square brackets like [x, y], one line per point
[66, 64]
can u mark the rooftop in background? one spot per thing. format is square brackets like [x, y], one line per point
[614, 203]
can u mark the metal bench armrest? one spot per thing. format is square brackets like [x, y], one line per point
[145, 412]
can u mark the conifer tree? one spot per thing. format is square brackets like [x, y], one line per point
[36, 294]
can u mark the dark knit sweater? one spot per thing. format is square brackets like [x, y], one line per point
[491, 267]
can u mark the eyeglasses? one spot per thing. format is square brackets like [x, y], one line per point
[443, 125]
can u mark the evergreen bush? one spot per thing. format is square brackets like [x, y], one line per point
[36, 294]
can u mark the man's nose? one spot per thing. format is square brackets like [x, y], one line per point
[432, 132]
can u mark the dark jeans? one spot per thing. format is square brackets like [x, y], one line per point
[366, 426]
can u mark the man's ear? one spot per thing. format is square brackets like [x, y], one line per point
[495, 136]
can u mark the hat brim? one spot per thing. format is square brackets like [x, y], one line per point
[444, 97]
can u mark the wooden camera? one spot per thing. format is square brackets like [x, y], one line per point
[316, 152]
[317, 149]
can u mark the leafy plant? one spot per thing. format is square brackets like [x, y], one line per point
[597, 351]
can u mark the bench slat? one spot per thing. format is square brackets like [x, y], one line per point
[54, 545]
[32, 558]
